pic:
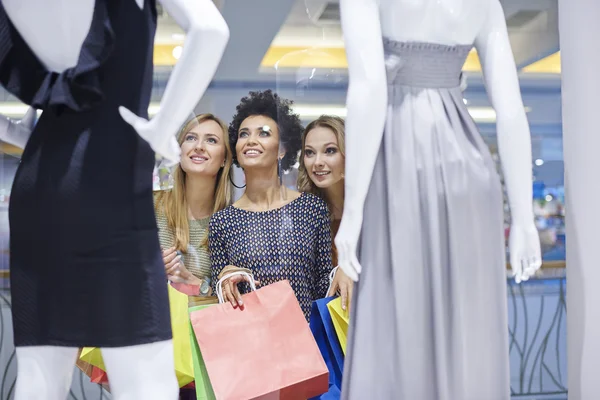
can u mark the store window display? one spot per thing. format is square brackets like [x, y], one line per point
[424, 194]
[201, 186]
[81, 212]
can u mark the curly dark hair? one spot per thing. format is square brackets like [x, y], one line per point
[269, 104]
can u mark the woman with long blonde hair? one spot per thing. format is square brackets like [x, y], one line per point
[201, 187]
[321, 172]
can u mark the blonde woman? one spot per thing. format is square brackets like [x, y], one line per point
[201, 186]
[321, 172]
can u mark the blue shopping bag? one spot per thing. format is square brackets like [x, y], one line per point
[323, 330]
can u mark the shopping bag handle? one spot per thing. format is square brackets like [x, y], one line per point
[331, 276]
[219, 287]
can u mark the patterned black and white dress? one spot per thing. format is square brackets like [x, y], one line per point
[292, 242]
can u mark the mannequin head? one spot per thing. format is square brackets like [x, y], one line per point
[263, 131]
[323, 155]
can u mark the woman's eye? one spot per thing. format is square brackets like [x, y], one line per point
[190, 137]
[211, 140]
[264, 133]
[308, 153]
[331, 150]
[243, 134]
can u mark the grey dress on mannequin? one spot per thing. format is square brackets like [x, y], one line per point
[429, 316]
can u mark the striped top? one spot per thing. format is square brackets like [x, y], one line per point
[197, 258]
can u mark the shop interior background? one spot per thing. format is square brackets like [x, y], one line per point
[295, 47]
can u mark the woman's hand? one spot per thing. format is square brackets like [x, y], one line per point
[176, 271]
[229, 286]
[343, 284]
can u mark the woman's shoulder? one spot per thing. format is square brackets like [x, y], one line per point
[313, 202]
[221, 216]
[313, 199]
[159, 201]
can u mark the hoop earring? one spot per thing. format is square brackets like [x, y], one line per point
[233, 183]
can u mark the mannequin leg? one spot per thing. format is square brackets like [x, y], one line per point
[44, 371]
[145, 371]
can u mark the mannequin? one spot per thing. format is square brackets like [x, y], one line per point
[82, 159]
[425, 167]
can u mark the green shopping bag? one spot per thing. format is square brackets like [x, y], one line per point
[204, 390]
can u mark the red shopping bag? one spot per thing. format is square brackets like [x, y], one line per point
[98, 376]
[264, 350]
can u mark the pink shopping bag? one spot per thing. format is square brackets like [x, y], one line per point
[263, 351]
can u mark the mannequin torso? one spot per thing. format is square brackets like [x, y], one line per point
[58, 47]
[58, 44]
[424, 196]
[448, 22]
[69, 59]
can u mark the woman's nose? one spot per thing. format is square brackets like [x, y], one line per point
[200, 145]
[319, 160]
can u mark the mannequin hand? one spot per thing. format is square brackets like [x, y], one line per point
[525, 251]
[346, 242]
[164, 145]
[17, 133]
[342, 284]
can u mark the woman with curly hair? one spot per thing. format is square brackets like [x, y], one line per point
[321, 172]
[273, 232]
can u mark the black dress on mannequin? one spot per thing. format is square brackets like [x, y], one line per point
[86, 267]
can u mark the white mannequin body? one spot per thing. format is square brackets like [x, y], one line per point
[449, 22]
[143, 371]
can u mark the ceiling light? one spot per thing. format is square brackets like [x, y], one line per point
[479, 114]
[18, 110]
[539, 162]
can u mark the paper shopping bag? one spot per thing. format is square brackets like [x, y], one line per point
[264, 350]
[340, 320]
[98, 376]
[182, 349]
[323, 330]
[95, 374]
[180, 324]
[204, 390]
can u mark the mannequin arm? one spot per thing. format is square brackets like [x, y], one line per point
[17, 132]
[366, 104]
[514, 141]
[207, 35]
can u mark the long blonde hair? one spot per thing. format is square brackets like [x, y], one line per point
[173, 204]
[337, 126]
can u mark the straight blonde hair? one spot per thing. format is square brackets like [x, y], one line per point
[173, 204]
[337, 126]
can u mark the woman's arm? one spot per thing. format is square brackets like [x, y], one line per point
[218, 253]
[514, 140]
[323, 264]
[207, 35]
